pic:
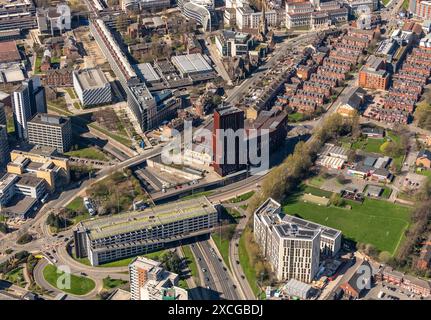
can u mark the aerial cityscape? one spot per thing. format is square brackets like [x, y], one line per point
[228, 150]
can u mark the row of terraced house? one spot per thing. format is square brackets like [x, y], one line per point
[328, 68]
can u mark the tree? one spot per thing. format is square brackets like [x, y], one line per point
[25, 238]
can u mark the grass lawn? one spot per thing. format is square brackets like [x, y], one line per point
[242, 197]
[244, 260]
[88, 153]
[191, 263]
[78, 285]
[405, 5]
[76, 204]
[10, 125]
[316, 191]
[37, 65]
[85, 261]
[222, 242]
[377, 222]
[110, 283]
[317, 181]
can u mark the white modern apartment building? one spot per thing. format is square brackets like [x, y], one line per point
[150, 281]
[292, 246]
[92, 87]
[246, 18]
[138, 232]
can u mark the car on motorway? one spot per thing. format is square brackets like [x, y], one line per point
[242, 276]
[207, 279]
[237, 261]
[204, 270]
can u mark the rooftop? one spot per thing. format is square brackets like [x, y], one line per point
[49, 119]
[91, 78]
[137, 220]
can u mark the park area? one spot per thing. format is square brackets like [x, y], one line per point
[376, 222]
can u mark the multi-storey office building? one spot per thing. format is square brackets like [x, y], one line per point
[92, 87]
[129, 234]
[198, 10]
[293, 246]
[54, 20]
[142, 103]
[51, 131]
